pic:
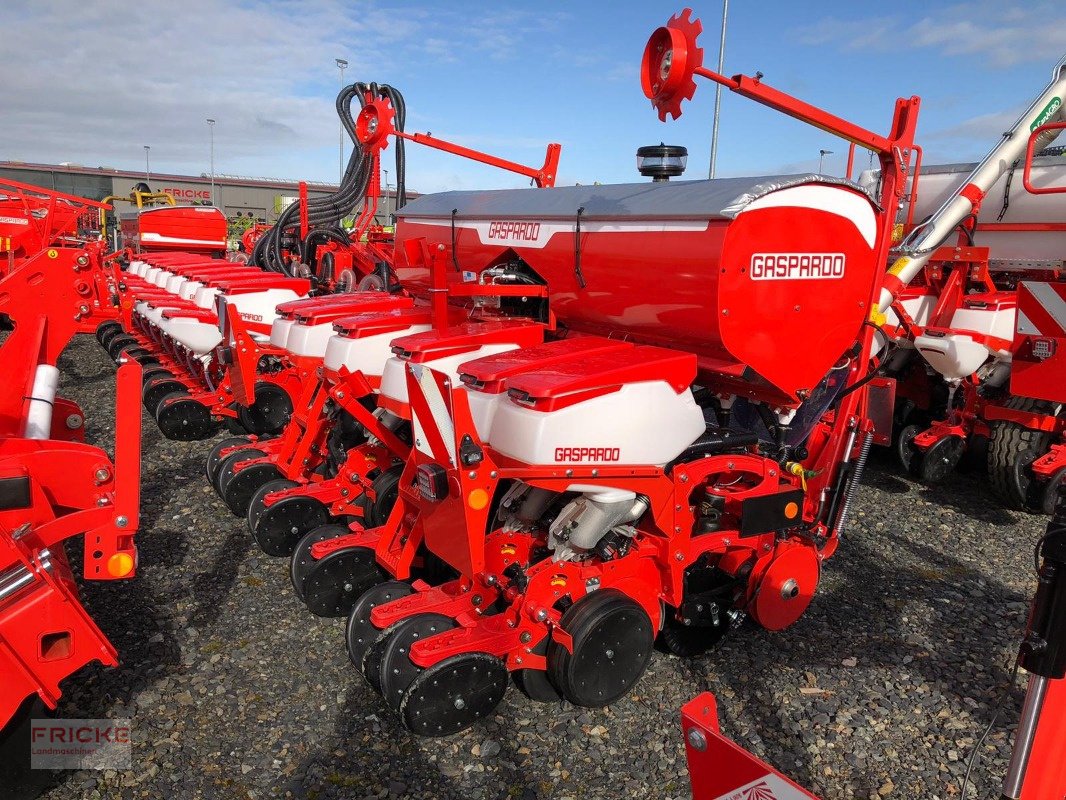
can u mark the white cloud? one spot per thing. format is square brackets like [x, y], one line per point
[96, 80]
[1000, 35]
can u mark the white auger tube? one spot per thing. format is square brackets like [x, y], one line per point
[42, 397]
[916, 249]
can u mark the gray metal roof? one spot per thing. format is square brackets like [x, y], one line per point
[703, 199]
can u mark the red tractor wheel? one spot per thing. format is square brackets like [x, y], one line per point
[613, 639]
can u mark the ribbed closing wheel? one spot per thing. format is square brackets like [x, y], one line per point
[110, 327]
[613, 640]
[1013, 449]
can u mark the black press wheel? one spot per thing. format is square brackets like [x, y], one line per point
[270, 411]
[939, 461]
[154, 389]
[454, 694]
[214, 455]
[360, 633]
[904, 446]
[386, 488]
[334, 584]
[183, 419]
[257, 505]
[154, 372]
[397, 669]
[301, 562]
[226, 468]
[613, 640]
[281, 526]
[1013, 448]
[239, 488]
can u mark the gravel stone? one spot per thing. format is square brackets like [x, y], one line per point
[235, 691]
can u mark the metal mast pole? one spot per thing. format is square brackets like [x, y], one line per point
[718, 91]
[341, 64]
[211, 125]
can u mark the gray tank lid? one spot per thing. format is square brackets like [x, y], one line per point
[721, 198]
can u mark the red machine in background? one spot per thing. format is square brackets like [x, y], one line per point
[183, 229]
[32, 218]
[978, 380]
[53, 486]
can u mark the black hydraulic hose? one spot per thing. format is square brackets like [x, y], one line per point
[327, 212]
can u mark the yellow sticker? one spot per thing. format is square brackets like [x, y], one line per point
[899, 266]
[53, 253]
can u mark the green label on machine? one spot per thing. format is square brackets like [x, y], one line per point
[1049, 111]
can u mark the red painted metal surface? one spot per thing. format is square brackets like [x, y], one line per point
[59, 487]
[720, 769]
[185, 229]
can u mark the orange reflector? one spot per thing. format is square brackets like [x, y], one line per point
[558, 581]
[120, 565]
[791, 510]
[478, 499]
[508, 550]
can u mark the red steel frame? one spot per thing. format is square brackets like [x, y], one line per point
[70, 488]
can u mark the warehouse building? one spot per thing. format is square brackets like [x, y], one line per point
[260, 198]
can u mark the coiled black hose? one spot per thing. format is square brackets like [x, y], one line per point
[325, 214]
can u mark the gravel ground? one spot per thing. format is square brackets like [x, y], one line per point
[881, 690]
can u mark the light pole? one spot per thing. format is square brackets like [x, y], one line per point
[341, 65]
[718, 91]
[147, 170]
[386, 196]
[821, 158]
[211, 127]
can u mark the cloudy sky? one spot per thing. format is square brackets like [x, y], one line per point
[93, 81]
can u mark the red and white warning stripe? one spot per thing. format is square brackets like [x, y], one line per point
[430, 399]
[1041, 309]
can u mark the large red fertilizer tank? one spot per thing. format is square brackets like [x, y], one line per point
[766, 280]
